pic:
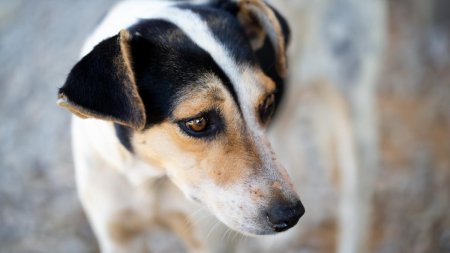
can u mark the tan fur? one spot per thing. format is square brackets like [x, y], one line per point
[276, 185]
[266, 81]
[253, 29]
[132, 90]
[125, 226]
[207, 94]
[234, 174]
[250, 9]
[226, 160]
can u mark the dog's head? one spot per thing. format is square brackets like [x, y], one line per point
[192, 91]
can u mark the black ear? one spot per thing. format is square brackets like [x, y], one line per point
[261, 21]
[102, 85]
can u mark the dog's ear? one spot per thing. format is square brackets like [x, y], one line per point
[261, 21]
[102, 85]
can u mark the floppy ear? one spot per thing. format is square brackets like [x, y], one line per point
[102, 85]
[260, 21]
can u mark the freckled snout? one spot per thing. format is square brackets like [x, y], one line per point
[284, 215]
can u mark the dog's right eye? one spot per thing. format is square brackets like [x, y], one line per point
[205, 125]
[267, 108]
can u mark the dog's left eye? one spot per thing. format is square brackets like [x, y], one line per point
[205, 125]
[198, 124]
[267, 108]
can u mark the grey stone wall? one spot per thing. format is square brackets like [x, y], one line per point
[408, 133]
[39, 43]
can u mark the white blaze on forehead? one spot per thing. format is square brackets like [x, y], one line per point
[243, 78]
[198, 31]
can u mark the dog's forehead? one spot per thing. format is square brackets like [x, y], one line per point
[191, 42]
[227, 31]
[199, 28]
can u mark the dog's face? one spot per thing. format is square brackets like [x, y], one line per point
[193, 95]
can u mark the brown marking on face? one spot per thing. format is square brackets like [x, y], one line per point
[232, 160]
[259, 86]
[227, 158]
[267, 82]
[276, 185]
[125, 226]
[256, 194]
[205, 96]
[163, 143]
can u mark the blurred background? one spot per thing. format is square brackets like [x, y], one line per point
[369, 97]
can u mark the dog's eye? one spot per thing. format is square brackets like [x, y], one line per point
[206, 124]
[198, 124]
[267, 108]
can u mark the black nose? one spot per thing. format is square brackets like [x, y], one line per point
[284, 215]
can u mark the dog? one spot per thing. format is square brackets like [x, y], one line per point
[172, 103]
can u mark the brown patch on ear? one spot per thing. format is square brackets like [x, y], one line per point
[82, 112]
[131, 88]
[73, 108]
[253, 29]
[252, 12]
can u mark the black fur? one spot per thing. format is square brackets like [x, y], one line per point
[229, 31]
[99, 84]
[164, 61]
[266, 58]
[124, 135]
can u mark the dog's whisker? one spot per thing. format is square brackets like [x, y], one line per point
[189, 224]
[223, 237]
[193, 222]
[196, 216]
[212, 229]
[242, 239]
[229, 236]
[236, 236]
[197, 212]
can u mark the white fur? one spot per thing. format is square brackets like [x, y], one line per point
[101, 160]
